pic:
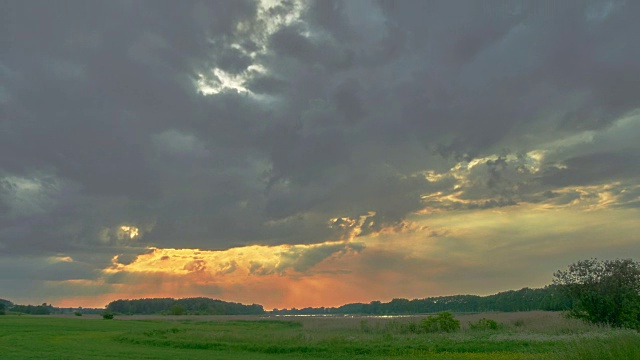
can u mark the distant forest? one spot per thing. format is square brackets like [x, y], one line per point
[526, 299]
[193, 306]
[8, 307]
[548, 298]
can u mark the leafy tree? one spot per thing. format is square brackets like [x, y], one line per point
[2, 309]
[603, 292]
[443, 322]
[107, 316]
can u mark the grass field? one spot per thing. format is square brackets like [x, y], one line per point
[530, 335]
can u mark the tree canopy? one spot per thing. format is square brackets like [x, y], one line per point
[194, 306]
[526, 299]
[603, 292]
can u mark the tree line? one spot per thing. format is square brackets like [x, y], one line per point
[8, 307]
[549, 298]
[192, 306]
[602, 292]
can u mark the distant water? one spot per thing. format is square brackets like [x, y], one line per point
[346, 316]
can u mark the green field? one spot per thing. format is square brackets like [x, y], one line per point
[533, 335]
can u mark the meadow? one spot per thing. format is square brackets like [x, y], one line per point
[525, 335]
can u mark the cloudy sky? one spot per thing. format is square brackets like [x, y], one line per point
[313, 153]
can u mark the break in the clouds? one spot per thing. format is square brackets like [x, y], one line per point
[271, 150]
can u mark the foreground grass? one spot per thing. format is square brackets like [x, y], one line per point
[538, 336]
[621, 346]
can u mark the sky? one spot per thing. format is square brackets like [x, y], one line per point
[313, 153]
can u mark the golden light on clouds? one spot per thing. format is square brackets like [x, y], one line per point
[60, 258]
[352, 226]
[270, 274]
[130, 231]
[442, 253]
[241, 261]
[431, 252]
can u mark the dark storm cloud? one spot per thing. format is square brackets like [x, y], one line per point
[337, 112]
[266, 85]
[594, 168]
[510, 53]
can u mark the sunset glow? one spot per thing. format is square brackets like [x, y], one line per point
[313, 153]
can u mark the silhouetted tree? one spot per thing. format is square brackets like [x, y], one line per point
[603, 292]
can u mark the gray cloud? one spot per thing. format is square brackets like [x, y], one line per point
[594, 168]
[336, 112]
[302, 259]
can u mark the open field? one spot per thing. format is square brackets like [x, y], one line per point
[528, 335]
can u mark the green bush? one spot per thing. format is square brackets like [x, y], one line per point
[443, 322]
[107, 316]
[484, 324]
[176, 310]
[77, 313]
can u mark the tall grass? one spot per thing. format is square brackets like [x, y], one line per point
[520, 336]
[618, 346]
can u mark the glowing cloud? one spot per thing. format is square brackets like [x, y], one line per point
[60, 258]
[130, 231]
[249, 260]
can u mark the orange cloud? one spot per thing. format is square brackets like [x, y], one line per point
[242, 261]
[270, 275]
[479, 252]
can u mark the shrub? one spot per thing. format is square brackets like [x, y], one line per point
[107, 316]
[484, 324]
[77, 313]
[443, 322]
[176, 310]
